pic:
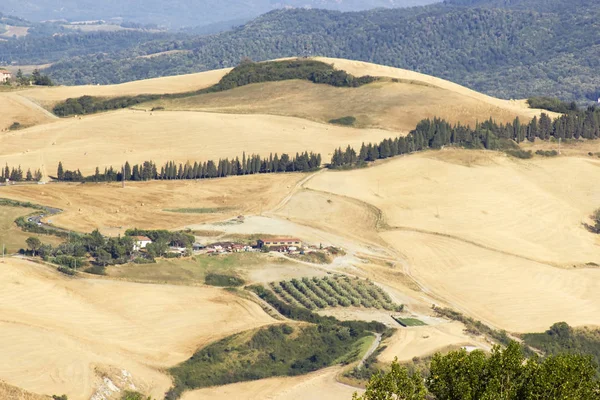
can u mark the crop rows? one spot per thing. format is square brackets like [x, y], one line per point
[318, 293]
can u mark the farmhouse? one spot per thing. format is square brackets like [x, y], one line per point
[5, 75]
[279, 242]
[140, 242]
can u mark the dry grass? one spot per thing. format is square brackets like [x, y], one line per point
[319, 385]
[386, 105]
[56, 332]
[516, 107]
[18, 31]
[113, 209]
[17, 109]
[9, 392]
[422, 341]
[48, 96]
[135, 136]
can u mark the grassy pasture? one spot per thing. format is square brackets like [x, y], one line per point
[408, 322]
[190, 271]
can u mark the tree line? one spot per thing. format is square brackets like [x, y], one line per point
[103, 251]
[436, 133]
[148, 170]
[16, 174]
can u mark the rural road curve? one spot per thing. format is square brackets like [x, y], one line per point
[371, 350]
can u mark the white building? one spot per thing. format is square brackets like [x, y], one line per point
[140, 242]
[5, 75]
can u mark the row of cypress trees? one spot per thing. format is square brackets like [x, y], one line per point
[248, 165]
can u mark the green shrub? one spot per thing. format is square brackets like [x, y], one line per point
[66, 271]
[223, 280]
[345, 121]
[271, 351]
[547, 153]
[15, 126]
[520, 153]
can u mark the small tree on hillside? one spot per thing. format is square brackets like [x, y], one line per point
[34, 244]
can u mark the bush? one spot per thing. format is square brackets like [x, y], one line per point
[547, 153]
[223, 280]
[520, 154]
[345, 121]
[66, 271]
[15, 126]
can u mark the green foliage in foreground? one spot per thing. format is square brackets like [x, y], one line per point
[274, 351]
[561, 338]
[130, 395]
[244, 74]
[223, 280]
[345, 121]
[504, 375]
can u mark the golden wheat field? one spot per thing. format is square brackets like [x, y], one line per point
[63, 331]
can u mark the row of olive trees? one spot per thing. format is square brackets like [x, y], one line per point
[332, 292]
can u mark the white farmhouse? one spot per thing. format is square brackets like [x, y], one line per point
[5, 75]
[140, 242]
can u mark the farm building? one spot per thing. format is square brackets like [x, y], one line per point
[5, 75]
[140, 242]
[279, 242]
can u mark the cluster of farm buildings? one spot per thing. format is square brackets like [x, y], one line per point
[282, 245]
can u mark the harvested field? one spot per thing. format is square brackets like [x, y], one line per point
[49, 96]
[56, 331]
[112, 138]
[18, 109]
[485, 198]
[502, 290]
[320, 385]
[491, 236]
[113, 209]
[395, 106]
[423, 341]
[359, 68]
[18, 31]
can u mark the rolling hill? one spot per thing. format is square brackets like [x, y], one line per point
[202, 127]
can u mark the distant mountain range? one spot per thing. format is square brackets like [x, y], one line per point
[179, 13]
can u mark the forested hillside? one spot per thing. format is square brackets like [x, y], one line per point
[508, 53]
[178, 13]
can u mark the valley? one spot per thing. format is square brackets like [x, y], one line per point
[498, 238]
